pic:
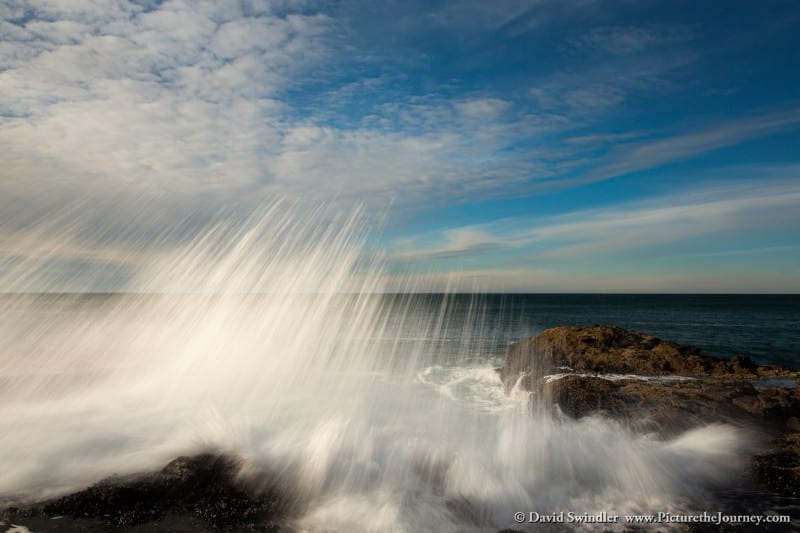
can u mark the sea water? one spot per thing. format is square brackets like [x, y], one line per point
[271, 338]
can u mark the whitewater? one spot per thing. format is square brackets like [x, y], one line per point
[271, 337]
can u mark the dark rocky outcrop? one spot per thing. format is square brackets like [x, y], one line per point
[670, 407]
[779, 467]
[614, 350]
[582, 371]
[196, 493]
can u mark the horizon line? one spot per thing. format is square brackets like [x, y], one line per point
[398, 293]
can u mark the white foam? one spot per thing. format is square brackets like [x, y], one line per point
[369, 416]
[476, 386]
[617, 377]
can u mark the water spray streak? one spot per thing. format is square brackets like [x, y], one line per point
[269, 337]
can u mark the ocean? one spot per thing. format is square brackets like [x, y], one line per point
[764, 327]
[373, 412]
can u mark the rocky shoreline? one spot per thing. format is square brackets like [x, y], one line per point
[200, 493]
[655, 386]
[650, 385]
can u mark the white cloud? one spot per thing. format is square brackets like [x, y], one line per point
[179, 104]
[455, 242]
[663, 226]
[136, 119]
[651, 154]
[188, 101]
[551, 280]
[483, 108]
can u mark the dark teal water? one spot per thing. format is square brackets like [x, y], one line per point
[765, 327]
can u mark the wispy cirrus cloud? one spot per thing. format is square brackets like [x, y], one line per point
[663, 226]
[668, 149]
[626, 40]
[536, 279]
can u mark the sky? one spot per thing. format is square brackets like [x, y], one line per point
[520, 146]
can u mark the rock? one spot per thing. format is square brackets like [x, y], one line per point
[653, 407]
[779, 468]
[204, 486]
[778, 405]
[609, 371]
[613, 350]
[579, 396]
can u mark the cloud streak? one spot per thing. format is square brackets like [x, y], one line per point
[651, 154]
[660, 227]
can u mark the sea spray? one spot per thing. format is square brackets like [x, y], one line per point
[271, 337]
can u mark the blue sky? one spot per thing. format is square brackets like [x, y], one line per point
[530, 146]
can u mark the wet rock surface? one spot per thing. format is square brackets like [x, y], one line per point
[599, 371]
[659, 387]
[614, 350]
[198, 493]
[778, 469]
